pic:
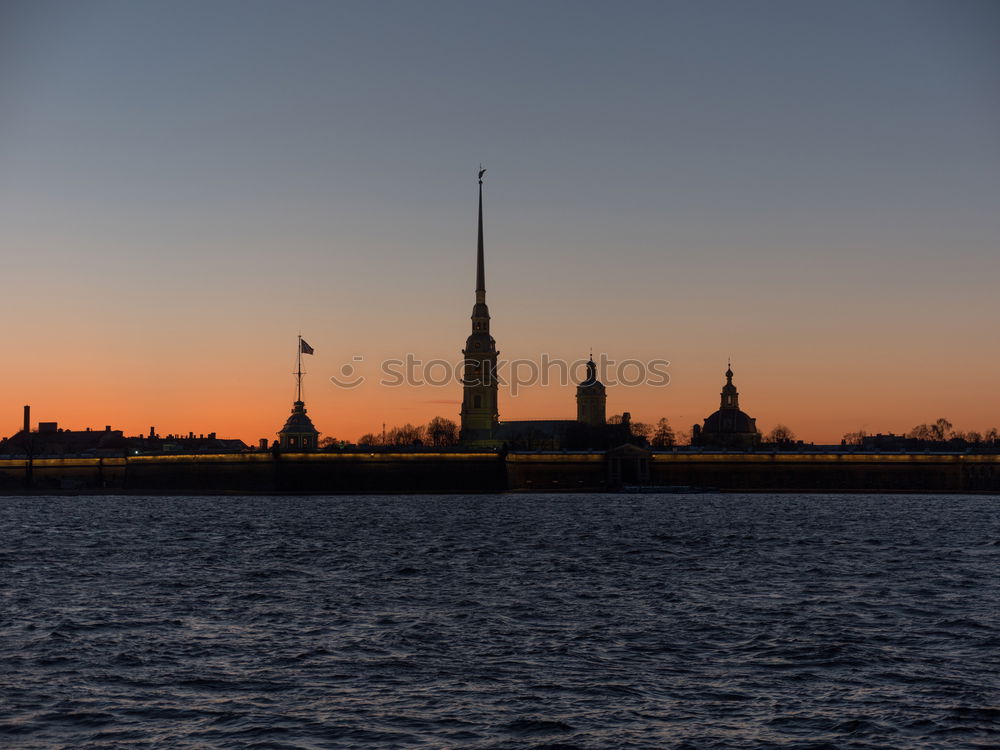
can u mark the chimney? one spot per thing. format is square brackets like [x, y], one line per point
[27, 419]
[107, 428]
[152, 432]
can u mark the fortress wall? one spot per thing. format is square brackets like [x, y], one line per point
[224, 472]
[12, 474]
[62, 473]
[545, 472]
[490, 472]
[321, 472]
[981, 473]
[390, 472]
[262, 472]
[829, 471]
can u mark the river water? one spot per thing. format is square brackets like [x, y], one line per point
[514, 621]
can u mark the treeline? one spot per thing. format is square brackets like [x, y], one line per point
[442, 433]
[942, 431]
[940, 434]
[660, 435]
[439, 432]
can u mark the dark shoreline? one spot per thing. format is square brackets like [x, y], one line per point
[622, 493]
[624, 469]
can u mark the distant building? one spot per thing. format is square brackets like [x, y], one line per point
[587, 430]
[537, 434]
[728, 428]
[184, 443]
[299, 434]
[591, 398]
[52, 441]
[49, 440]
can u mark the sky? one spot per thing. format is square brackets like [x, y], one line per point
[810, 188]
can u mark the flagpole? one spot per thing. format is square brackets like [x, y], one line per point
[298, 371]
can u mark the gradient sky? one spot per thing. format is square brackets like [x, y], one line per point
[812, 188]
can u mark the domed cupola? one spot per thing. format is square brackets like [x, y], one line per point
[728, 427]
[298, 434]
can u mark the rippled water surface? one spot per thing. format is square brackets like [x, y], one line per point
[518, 621]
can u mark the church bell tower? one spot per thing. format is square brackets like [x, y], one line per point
[591, 398]
[730, 396]
[479, 377]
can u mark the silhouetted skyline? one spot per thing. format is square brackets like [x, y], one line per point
[807, 188]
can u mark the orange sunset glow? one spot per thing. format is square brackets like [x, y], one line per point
[173, 218]
[525, 374]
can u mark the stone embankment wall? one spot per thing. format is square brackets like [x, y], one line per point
[491, 472]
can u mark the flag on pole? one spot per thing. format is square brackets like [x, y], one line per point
[304, 347]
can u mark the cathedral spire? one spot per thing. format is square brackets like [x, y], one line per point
[480, 265]
[479, 381]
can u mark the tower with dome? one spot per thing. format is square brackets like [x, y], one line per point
[729, 428]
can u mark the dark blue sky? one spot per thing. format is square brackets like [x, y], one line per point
[786, 182]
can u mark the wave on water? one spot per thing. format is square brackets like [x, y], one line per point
[513, 621]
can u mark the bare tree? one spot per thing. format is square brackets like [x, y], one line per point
[854, 438]
[328, 442]
[641, 429]
[442, 432]
[938, 432]
[780, 435]
[370, 438]
[408, 434]
[663, 435]
[942, 430]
